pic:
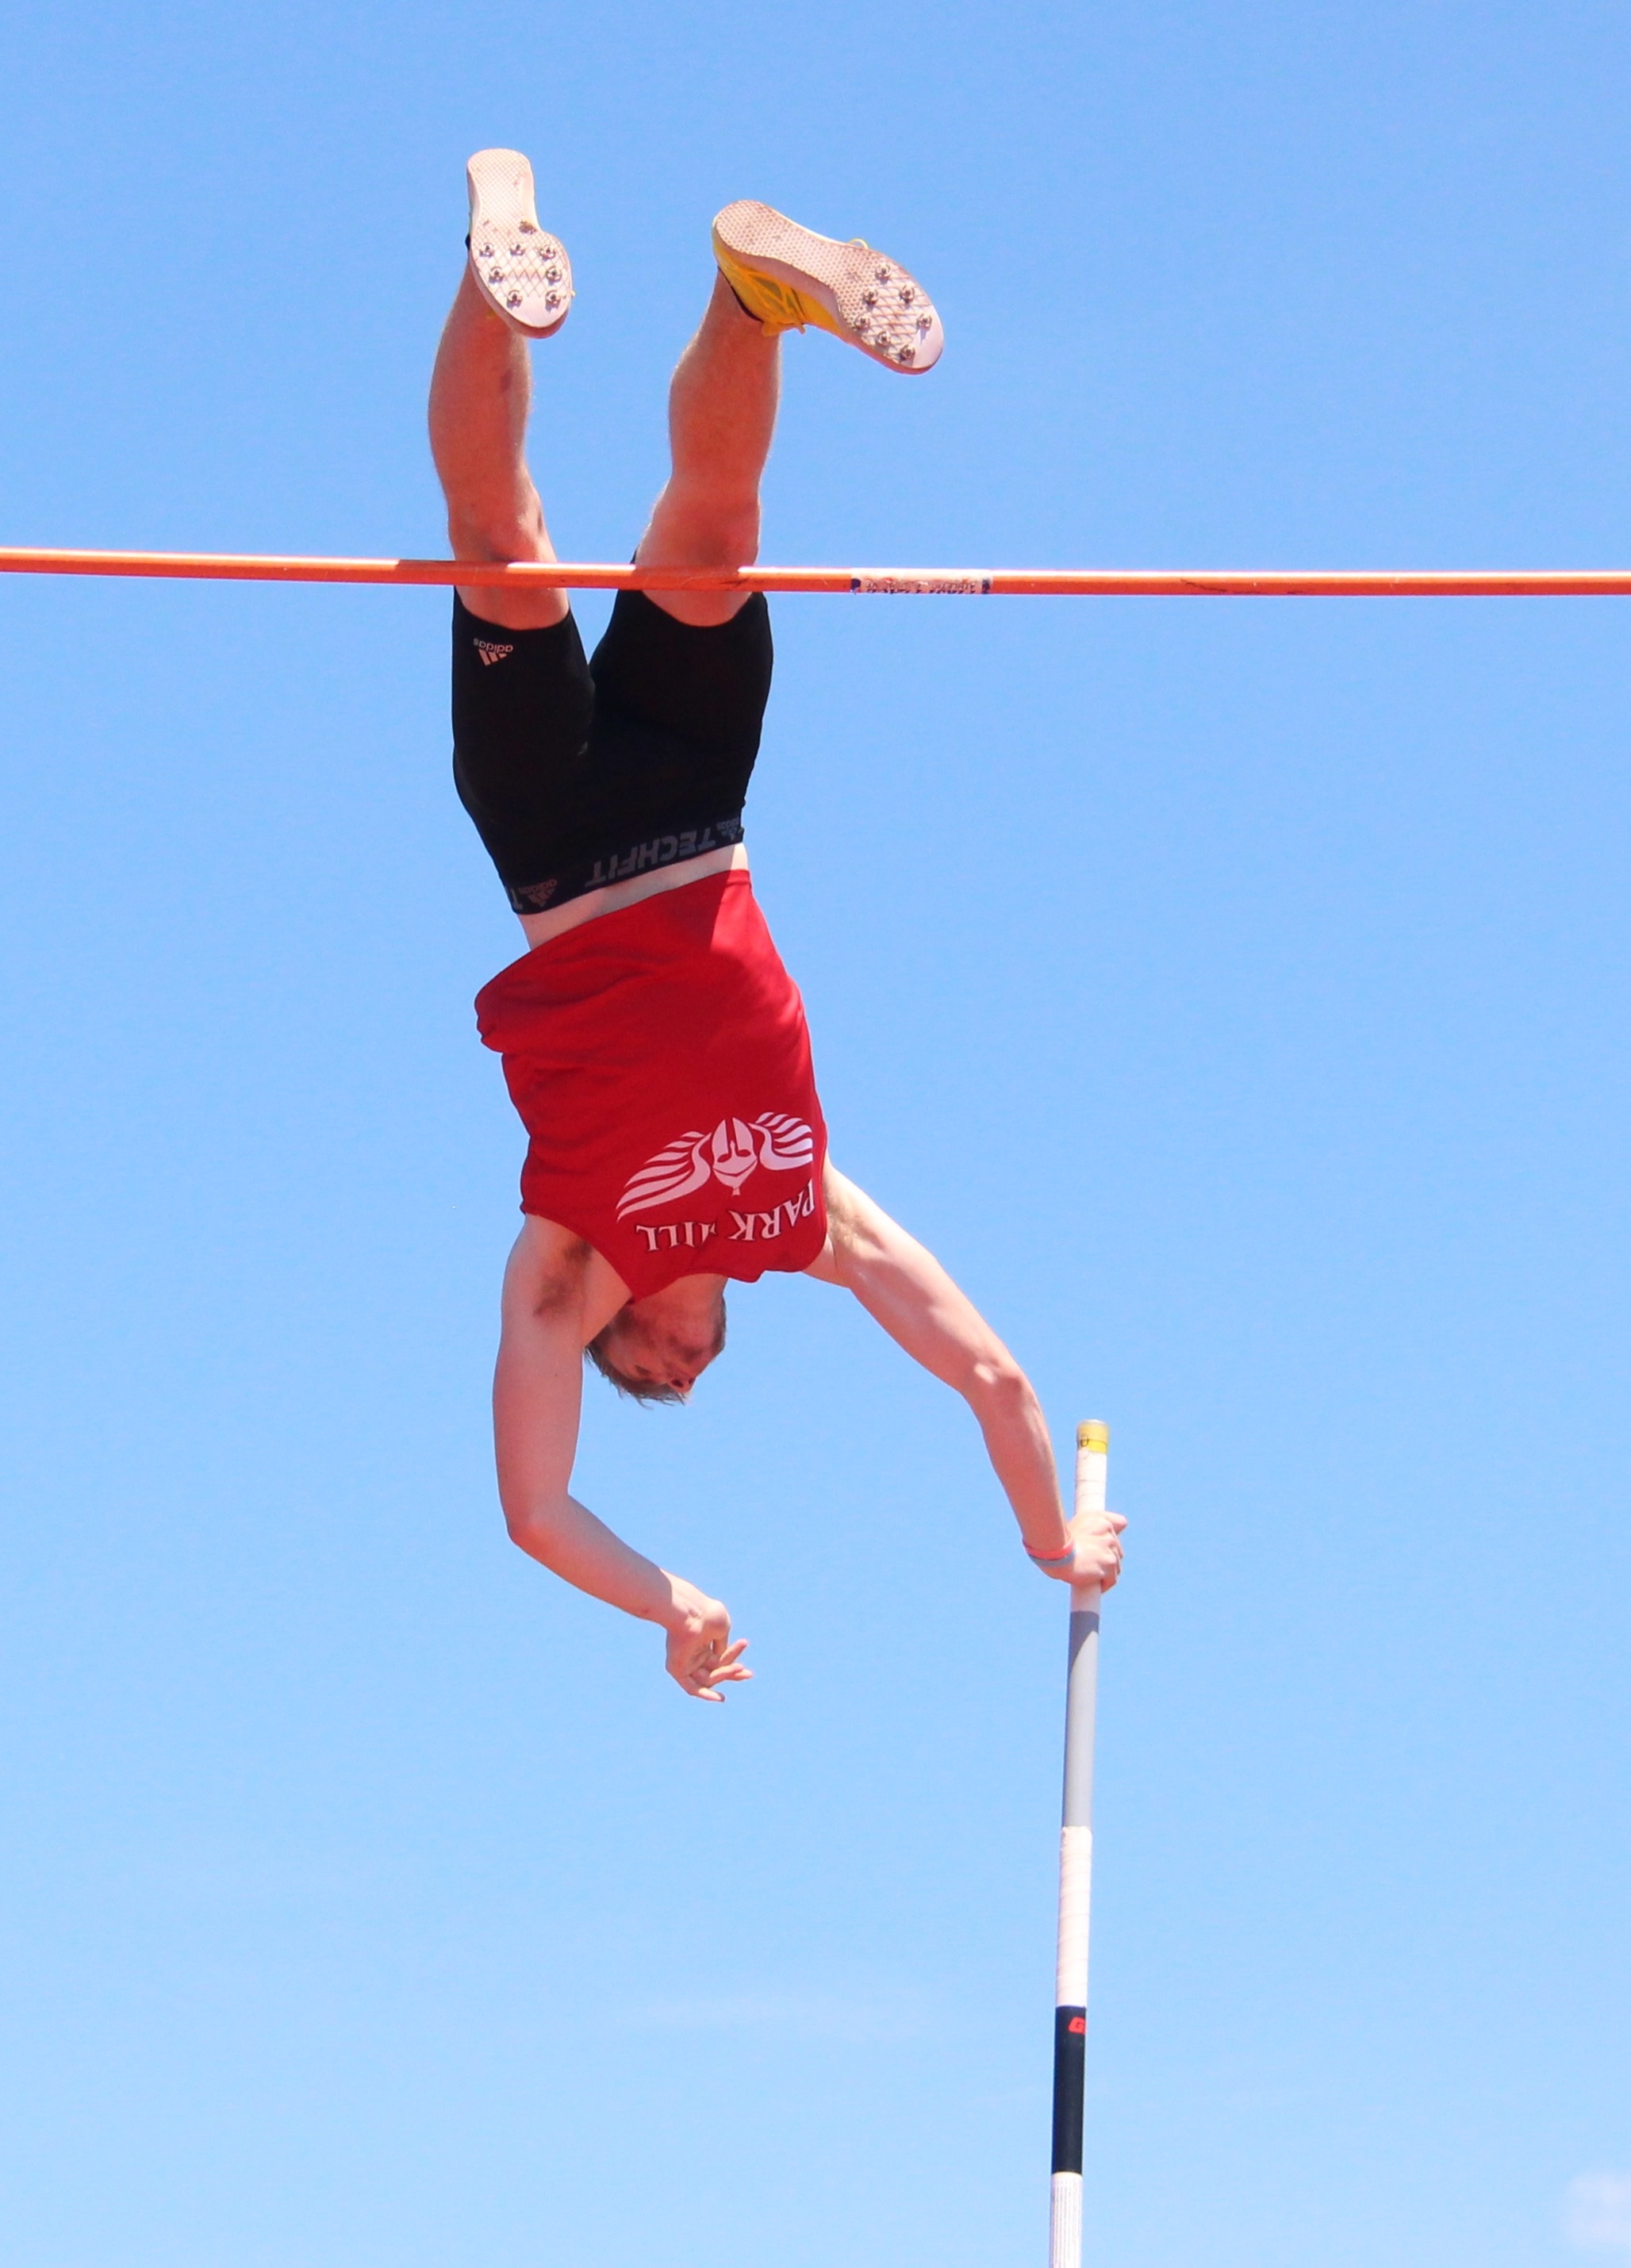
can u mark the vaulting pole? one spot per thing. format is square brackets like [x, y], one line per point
[1070, 2011]
[998, 582]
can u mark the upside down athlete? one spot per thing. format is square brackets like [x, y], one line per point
[653, 1043]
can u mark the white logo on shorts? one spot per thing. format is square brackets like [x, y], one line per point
[735, 1149]
[492, 653]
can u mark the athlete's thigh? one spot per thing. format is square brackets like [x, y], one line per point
[706, 687]
[523, 708]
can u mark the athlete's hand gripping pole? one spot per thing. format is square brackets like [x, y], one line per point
[1070, 2012]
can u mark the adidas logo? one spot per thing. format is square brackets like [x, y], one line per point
[492, 653]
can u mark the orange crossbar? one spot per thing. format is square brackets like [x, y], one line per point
[1010, 582]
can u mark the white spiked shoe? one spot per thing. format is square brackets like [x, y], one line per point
[523, 272]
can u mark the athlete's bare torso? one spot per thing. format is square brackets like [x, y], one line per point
[540, 928]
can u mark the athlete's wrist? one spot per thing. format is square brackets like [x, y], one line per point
[1051, 1560]
[684, 1608]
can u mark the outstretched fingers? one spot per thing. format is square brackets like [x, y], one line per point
[700, 1665]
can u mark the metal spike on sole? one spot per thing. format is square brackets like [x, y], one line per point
[521, 269]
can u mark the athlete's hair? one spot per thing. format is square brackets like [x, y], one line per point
[639, 1389]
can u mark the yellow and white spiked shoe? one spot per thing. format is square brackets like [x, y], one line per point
[789, 276]
[523, 272]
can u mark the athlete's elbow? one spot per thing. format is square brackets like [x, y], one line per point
[998, 1390]
[528, 1527]
[521, 1528]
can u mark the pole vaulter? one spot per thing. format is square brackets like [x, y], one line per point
[651, 1040]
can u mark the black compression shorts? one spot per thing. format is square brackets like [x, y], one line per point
[578, 772]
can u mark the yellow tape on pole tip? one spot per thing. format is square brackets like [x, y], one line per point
[1094, 1434]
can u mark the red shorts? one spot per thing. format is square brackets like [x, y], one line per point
[660, 1062]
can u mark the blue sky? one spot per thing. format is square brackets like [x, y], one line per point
[1233, 993]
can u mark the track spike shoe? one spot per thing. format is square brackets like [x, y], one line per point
[523, 272]
[789, 276]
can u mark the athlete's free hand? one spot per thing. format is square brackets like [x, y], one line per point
[1096, 1536]
[702, 1654]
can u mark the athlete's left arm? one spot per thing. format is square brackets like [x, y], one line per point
[904, 1287]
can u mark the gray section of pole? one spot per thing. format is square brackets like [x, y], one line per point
[1081, 1713]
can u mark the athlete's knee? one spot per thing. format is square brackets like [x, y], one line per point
[733, 528]
[705, 525]
[499, 527]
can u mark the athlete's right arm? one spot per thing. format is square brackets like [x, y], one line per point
[904, 1288]
[551, 1312]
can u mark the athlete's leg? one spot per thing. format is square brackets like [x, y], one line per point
[481, 391]
[721, 416]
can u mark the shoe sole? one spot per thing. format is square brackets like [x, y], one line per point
[848, 289]
[523, 272]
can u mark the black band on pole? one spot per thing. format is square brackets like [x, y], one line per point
[1070, 2072]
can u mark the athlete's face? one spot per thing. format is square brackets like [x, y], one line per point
[670, 1338]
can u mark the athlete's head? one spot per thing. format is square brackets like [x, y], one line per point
[657, 1348]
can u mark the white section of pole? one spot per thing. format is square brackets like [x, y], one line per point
[1070, 1987]
[1070, 2021]
[1065, 2223]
